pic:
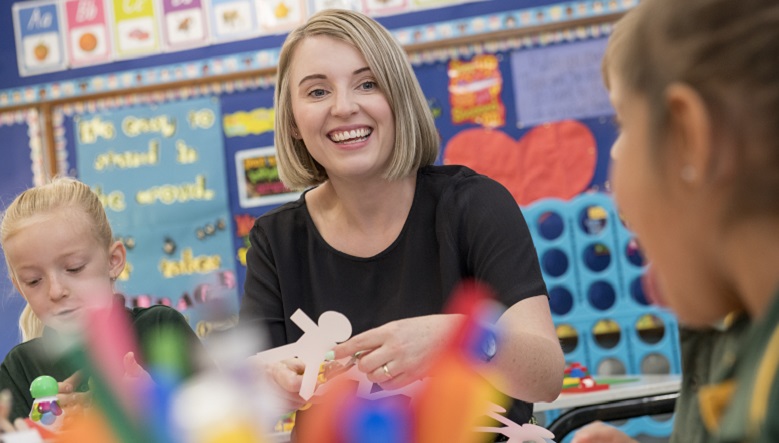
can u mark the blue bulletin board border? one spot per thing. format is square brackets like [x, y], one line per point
[32, 119]
[438, 32]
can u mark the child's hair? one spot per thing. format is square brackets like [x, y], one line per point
[727, 51]
[61, 192]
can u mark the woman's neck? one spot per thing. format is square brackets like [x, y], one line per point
[367, 204]
[361, 220]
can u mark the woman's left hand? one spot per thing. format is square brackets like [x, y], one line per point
[400, 352]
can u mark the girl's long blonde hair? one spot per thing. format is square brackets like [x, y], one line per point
[61, 192]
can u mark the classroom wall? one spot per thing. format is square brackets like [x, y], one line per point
[523, 105]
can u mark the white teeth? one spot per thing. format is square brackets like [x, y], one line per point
[348, 135]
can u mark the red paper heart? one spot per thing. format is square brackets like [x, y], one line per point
[552, 160]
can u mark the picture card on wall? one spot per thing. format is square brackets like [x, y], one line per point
[233, 19]
[315, 6]
[135, 28]
[184, 23]
[280, 15]
[39, 46]
[88, 38]
[379, 7]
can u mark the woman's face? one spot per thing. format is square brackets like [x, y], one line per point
[340, 112]
[61, 269]
[665, 214]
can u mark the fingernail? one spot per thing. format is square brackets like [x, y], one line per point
[5, 397]
[330, 355]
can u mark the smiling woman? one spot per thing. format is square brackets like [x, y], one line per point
[381, 234]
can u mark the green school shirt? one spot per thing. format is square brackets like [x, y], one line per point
[748, 390]
[704, 354]
[45, 356]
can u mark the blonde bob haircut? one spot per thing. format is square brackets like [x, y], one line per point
[416, 137]
[60, 193]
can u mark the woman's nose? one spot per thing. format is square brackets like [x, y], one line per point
[344, 104]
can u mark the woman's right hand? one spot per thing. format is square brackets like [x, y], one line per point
[288, 376]
[599, 432]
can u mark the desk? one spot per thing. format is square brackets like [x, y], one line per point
[627, 397]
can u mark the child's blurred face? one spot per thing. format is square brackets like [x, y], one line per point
[61, 269]
[669, 223]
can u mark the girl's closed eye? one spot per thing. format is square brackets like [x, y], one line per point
[76, 269]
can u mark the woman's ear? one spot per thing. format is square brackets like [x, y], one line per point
[117, 256]
[295, 132]
[690, 133]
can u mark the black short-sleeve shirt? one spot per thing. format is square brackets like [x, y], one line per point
[461, 225]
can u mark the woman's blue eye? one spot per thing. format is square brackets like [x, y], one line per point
[369, 85]
[317, 93]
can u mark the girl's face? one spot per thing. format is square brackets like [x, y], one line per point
[671, 219]
[340, 112]
[61, 269]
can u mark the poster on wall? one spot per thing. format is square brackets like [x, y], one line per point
[559, 82]
[258, 178]
[160, 172]
[39, 45]
[87, 34]
[474, 91]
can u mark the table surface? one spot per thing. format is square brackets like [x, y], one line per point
[620, 388]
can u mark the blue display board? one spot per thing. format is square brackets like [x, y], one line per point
[17, 173]
[160, 172]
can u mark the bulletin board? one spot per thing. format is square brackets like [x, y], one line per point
[182, 154]
[21, 168]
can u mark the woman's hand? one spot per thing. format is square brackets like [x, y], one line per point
[599, 432]
[287, 375]
[400, 352]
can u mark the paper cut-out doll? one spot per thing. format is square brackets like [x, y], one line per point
[317, 339]
[515, 432]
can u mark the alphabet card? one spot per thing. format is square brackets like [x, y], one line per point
[320, 5]
[232, 19]
[184, 23]
[39, 45]
[381, 7]
[280, 15]
[88, 38]
[135, 28]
